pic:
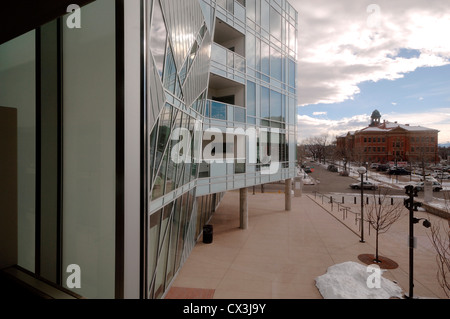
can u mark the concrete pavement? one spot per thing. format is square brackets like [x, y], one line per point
[281, 253]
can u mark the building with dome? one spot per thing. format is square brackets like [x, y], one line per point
[390, 142]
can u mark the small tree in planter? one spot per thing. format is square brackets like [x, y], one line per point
[381, 214]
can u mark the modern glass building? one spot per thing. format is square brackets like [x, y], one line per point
[125, 122]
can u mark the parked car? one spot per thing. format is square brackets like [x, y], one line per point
[420, 186]
[332, 168]
[442, 175]
[366, 185]
[307, 170]
[399, 171]
[382, 168]
[374, 165]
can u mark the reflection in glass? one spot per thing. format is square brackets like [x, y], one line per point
[275, 106]
[276, 64]
[158, 35]
[265, 103]
[153, 244]
[218, 110]
[265, 58]
[239, 114]
[251, 98]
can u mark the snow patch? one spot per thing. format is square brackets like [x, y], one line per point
[349, 281]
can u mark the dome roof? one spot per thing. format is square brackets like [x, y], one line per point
[376, 114]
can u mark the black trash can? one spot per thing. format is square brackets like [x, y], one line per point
[207, 234]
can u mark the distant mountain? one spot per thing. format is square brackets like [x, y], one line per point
[445, 144]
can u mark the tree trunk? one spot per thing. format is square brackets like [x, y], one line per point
[376, 247]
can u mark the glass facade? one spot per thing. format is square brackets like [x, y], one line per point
[238, 59]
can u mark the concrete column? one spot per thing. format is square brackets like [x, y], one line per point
[243, 208]
[287, 194]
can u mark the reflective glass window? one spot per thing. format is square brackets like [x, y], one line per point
[251, 98]
[265, 103]
[276, 64]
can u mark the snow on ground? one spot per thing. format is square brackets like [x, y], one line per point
[350, 280]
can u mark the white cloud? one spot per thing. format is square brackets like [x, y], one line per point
[338, 49]
[320, 113]
[394, 104]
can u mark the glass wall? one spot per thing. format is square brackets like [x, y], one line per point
[18, 90]
[89, 181]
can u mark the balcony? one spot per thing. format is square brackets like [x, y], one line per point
[226, 63]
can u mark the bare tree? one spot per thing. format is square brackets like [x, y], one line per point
[441, 242]
[381, 214]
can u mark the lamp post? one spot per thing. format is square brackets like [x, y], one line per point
[409, 203]
[361, 171]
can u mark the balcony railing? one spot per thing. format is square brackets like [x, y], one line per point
[234, 7]
[228, 58]
[225, 112]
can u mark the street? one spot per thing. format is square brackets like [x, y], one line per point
[330, 182]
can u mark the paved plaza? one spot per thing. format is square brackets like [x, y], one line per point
[282, 252]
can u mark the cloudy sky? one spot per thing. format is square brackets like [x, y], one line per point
[356, 56]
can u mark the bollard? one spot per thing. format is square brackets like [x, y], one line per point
[392, 201]
[342, 199]
[354, 200]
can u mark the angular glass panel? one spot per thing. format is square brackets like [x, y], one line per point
[170, 72]
[164, 133]
[158, 36]
[173, 241]
[163, 251]
[153, 244]
[152, 159]
[171, 165]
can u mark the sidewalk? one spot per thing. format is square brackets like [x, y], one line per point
[281, 253]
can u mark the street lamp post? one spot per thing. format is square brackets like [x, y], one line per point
[362, 170]
[409, 203]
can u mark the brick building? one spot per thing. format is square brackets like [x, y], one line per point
[387, 142]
